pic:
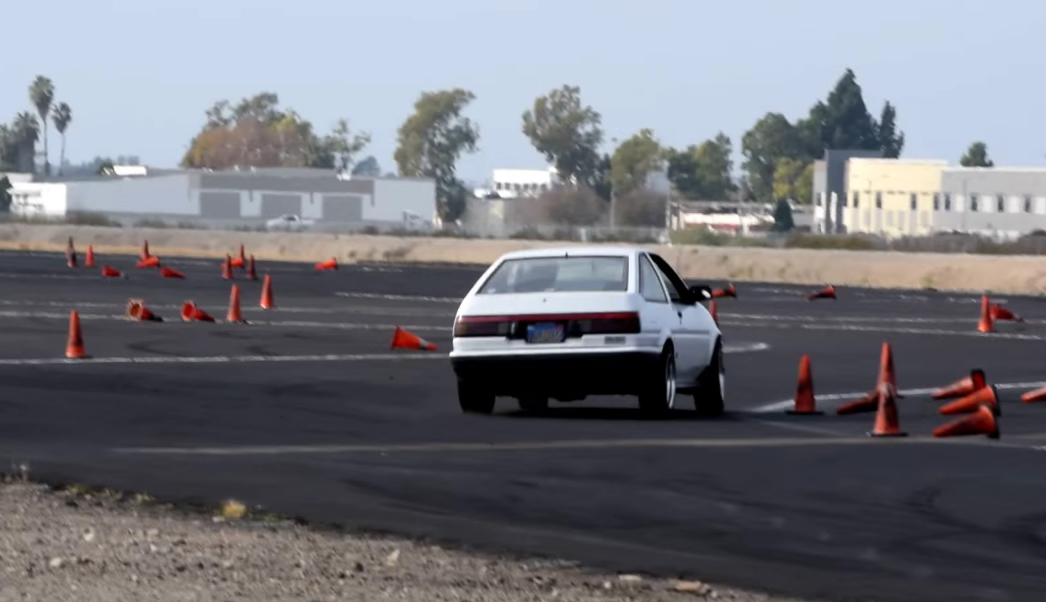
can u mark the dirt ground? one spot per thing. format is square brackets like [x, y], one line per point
[85, 546]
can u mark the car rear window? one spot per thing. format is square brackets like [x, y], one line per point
[558, 275]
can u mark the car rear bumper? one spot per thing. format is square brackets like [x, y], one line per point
[559, 375]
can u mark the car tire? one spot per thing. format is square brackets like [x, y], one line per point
[475, 397]
[710, 396]
[533, 403]
[659, 387]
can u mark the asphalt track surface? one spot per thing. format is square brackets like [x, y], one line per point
[306, 411]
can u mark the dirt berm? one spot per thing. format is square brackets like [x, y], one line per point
[1001, 274]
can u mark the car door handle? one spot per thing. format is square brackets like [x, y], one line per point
[680, 314]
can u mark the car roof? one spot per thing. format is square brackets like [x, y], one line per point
[577, 250]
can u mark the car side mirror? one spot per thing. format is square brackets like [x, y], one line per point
[700, 292]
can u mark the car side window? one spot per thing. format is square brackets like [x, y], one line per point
[649, 282]
[676, 287]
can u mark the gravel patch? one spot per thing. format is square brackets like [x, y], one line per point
[74, 544]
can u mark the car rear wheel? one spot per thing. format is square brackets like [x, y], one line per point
[659, 389]
[475, 397]
[710, 397]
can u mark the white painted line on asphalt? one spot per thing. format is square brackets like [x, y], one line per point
[745, 347]
[780, 406]
[887, 319]
[399, 297]
[276, 310]
[1015, 336]
[225, 359]
[282, 324]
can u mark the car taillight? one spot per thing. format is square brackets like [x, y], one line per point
[575, 324]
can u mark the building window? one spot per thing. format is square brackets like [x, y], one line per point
[973, 203]
[1027, 204]
[878, 200]
[857, 200]
[1000, 204]
[947, 202]
[914, 201]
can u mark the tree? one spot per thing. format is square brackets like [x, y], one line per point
[976, 156]
[368, 168]
[770, 140]
[633, 161]
[783, 219]
[793, 180]
[843, 120]
[25, 133]
[703, 171]
[62, 117]
[41, 94]
[8, 149]
[257, 132]
[567, 133]
[431, 141]
[891, 141]
[641, 208]
[574, 206]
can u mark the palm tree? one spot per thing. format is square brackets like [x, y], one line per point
[62, 117]
[41, 94]
[26, 132]
[7, 148]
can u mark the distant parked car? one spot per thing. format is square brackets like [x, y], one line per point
[292, 223]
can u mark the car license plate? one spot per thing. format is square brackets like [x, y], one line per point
[549, 332]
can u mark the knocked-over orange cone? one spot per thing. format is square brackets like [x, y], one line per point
[998, 312]
[267, 301]
[870, 402]
[986, 324]
[149, 262]
[89, 260]
[324, 266]
[1034, 395]
[192, 313]
[402, 339]
[137, 311]
[805, 403]
[74, 346]
[988, 396]
[981, 422]
[827, 292]
[729, 291]
[111, 272]
[235, 315]
[167, 272]
[887, 423]
[962, 387]
[252, 273]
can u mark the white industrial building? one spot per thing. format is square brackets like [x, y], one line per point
[235, 197]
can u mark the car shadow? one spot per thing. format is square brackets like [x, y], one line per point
[616, 414]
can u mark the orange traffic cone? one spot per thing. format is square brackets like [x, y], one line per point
[149, 262]
[145, 250]
[1034, 395]
[74, 347]
[110, 272]
[827, 292]
[330, 264]
[89, 261]
[981, 422]
[886, 371]
[252, 274]
[999, 312]
[729, 291]
[227, 268]
[192, 313]
[402, 339]
[70, 255]
[986, 324]
[239, 261]
[962, 387]
[870, 402]
[887, 423]
[167, 272]
[235, 315]
[805, 404]
[986, 396]
[267, 301]
[137, 311]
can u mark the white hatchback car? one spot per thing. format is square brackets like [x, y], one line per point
[567, 323]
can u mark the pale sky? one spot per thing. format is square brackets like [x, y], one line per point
[139, 74]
